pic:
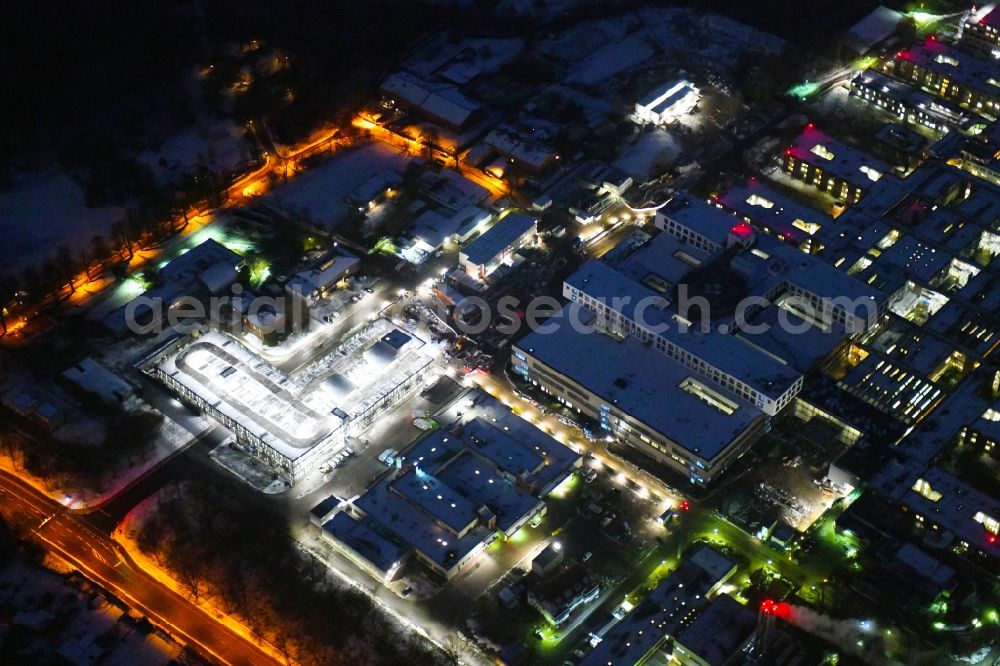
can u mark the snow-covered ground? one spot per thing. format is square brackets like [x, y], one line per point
[42, 210]
[460, 62]
[612, 59]
[656, 149]
[171, 438]
[598, 50]
[219, 146]
[575, 44]
[321, 190]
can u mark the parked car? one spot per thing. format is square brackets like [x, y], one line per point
[586, 556]
[369, 290]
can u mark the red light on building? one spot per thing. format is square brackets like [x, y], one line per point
[741, 229]
[778, 609]
[991, 538]
[809, 126]
[788, 151]
[685, 505]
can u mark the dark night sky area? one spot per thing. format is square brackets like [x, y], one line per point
[75, 72]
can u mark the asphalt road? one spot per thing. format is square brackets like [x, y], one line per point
[103, 561]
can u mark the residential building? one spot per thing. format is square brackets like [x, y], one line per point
[313, 283]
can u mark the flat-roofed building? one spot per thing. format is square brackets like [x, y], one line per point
[695, 222]
[813, 291]
[367, 545]
[644, 398]
[833, 167]
[293, 423]
[908, 103]
[452, 495]
[775, 214]
[666, 103]
[981, 32]
[497, 245]
[718, 636]
[954, 514]
[260, 405]
[664, 613]
[949, 74]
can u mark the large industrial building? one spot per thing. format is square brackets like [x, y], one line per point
[666, 103]
[293, 424]
[452, 494]
[497, 245]
[646, 399]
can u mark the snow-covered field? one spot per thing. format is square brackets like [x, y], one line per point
[42, 210]
[220, 146]
[597, 50]
[612, 59]
[321, 190]
[656, 149]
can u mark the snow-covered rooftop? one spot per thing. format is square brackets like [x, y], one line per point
[644, 383]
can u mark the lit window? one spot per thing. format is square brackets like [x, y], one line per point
[990, 523]
[757, 200]
[923, 488]
[821, 151]
[808, 227]
[873, 174]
